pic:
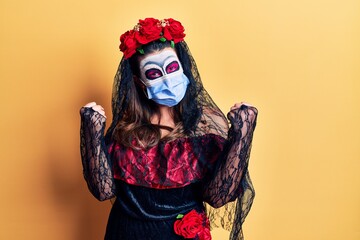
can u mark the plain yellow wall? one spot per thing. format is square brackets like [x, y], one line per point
[297, 61]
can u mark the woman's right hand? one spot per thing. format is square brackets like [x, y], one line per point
[95, 107]
[93, 118]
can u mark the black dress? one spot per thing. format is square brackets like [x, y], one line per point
[152, 187]
[145, 213]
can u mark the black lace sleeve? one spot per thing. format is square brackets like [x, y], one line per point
[95, 158]
[230, 180]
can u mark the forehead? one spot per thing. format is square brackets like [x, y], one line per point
[158, 57]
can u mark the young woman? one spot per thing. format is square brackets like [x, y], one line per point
[169, 148]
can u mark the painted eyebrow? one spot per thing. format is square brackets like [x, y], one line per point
[156, 63]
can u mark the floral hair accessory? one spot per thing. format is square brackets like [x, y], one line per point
[148, 30]
[193, 225]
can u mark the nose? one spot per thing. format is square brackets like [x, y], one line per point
[168, 82]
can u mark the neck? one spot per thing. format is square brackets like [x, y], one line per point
[165, 117]
[165, 111]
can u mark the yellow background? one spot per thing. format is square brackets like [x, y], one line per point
[298, 62]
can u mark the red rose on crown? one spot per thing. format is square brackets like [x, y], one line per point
[193, 225]
[173, 30]
[148, 30]
[128, 43]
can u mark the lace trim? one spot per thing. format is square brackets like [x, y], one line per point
[169, 164]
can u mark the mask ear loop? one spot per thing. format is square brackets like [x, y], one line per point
[142, 85]
[145, 92]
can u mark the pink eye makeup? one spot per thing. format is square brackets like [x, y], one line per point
[153, 73]
[172, 67]
[159, 67]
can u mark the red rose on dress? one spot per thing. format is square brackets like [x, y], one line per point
[128, 43]
[173, 30]
[193, 224]
[149, 30]
[205, 234]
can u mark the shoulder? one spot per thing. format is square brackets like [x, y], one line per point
[213, 121]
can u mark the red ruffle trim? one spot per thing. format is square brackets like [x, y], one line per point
[167, 165]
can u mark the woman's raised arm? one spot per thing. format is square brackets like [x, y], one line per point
[95, 158]
[225, 185]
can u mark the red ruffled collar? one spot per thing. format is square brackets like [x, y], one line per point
[169, 164]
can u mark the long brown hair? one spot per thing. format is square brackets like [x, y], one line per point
[135, 129]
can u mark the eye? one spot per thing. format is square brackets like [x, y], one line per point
[172, 67]
[153, 73]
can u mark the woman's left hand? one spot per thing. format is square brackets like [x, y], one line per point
[238, 105]
[241, 112]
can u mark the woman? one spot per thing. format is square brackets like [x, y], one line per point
[168, 149]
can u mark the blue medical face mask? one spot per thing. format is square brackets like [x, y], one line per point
[164, 78]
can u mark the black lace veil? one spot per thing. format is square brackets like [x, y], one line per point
[200, 116]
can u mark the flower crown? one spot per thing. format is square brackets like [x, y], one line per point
[148, 30]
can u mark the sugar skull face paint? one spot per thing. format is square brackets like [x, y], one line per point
[164, 78]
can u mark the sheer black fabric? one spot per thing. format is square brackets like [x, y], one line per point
[231, 180]
[227, 189]
[96, 165]
[201, 116]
